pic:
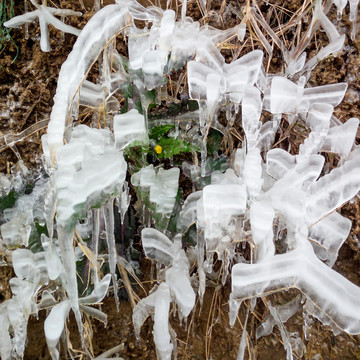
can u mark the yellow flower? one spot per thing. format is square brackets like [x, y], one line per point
[158, 149]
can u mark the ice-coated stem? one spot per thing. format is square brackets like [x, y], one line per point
[95, 242]
[336, 299]
[95, 35]
[110, 239]
[203, 114]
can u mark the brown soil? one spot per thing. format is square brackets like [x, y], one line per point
[27, 87]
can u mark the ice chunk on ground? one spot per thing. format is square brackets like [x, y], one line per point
[145, 177]
[167, 26]
[288, 195]
[210, 61]
[29, 266]
[247, 69]
[129, 127]
[98, 171]
[53, 262]
[108, 212]
[5, 185]
[91, 94]
[138, 44]
[214, 89]
[5, 343]
[188, 214]
[99, 292]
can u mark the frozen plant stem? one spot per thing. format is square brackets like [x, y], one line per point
[46, 16]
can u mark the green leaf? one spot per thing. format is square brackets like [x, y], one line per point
[35, 237]
[8, 201]
[159, 131]
[151, 96]
[214, 142]
[171, 147]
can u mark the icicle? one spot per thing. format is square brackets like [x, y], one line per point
[283, 332]
[97, 5]
[26, 7]
[65, 238]
[95, 242]
[183, 10]
[242, 346]
[352, 17]
[203, 114]
[110, 239]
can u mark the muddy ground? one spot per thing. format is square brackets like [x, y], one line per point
[27, 86]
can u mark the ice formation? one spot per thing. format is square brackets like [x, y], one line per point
[261, 193]
[176, 287]
[45, 14]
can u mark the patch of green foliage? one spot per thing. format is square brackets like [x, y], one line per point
[167, 146]
[214, 142]
[6, 12]
[7, 202]
[35, 237]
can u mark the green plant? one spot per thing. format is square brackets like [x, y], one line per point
[7, 12]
